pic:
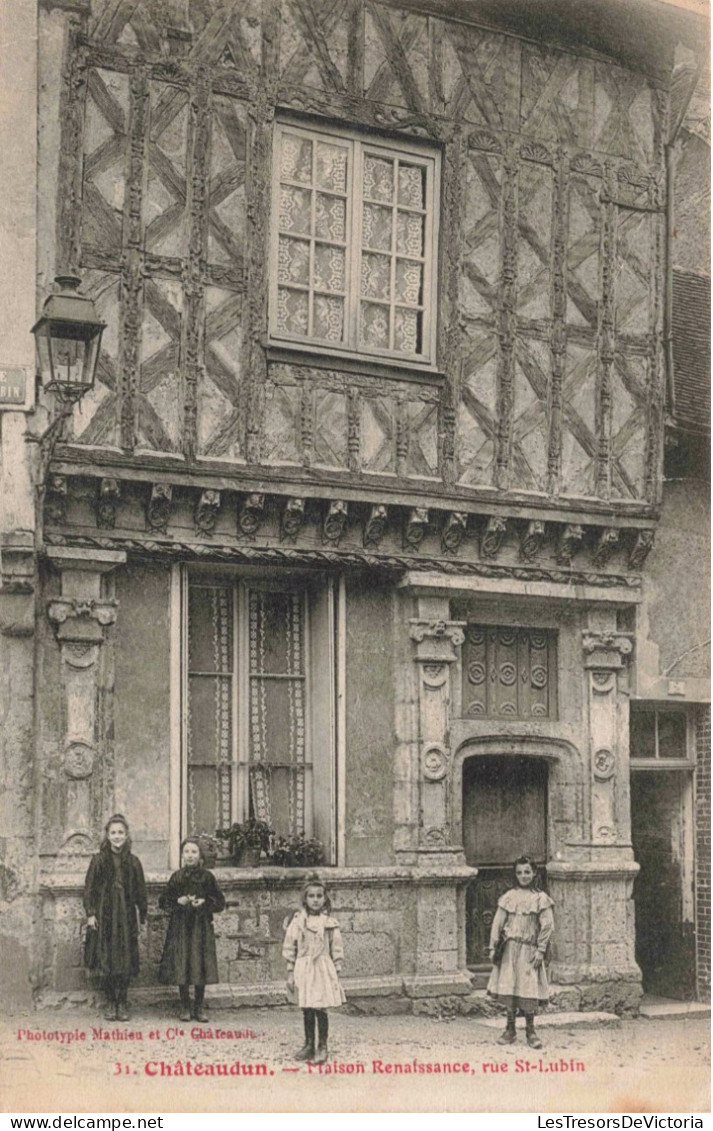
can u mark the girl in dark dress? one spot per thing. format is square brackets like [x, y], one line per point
[114, 892]
[192, 898]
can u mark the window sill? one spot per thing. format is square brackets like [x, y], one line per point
[315, 358]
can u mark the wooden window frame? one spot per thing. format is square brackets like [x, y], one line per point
[322, 669]
[360, 144]
[687, 762]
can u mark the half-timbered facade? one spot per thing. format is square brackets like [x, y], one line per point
[349, 534]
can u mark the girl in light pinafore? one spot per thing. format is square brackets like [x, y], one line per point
[521, 930]
[313, 952]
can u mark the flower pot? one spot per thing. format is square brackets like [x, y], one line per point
[247, 857]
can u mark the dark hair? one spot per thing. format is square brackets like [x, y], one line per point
[313, 881]
[116, 819]
[193, 840]
[535, 885]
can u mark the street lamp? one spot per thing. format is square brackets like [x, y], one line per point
[67, 338]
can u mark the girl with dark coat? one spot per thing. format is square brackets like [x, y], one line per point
[114, 894]
[192, 897]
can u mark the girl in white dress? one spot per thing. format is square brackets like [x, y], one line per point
[313, 952]
[521, 930]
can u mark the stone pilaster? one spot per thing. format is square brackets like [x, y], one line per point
[437, 639]
[606, 652]
[81, 616]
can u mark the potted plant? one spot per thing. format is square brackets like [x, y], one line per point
[297, 852]
[246, 841]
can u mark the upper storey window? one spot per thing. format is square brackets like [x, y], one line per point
[354, 246]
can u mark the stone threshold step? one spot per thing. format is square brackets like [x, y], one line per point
[656, 1008]
[561, 1021]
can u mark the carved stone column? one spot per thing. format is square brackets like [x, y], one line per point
[437, 639]
[606, 652]
[81, 617]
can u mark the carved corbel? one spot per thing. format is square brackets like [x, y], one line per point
[206, 512]
[375, 526]
[569, 542]
[415, 528]
[437, 640]
[606, 545]
[251, 514]
[641, 549]
[492, 537]
[107, 502]
[81, 620]
[293, 518]
[335, 522]
[158, 511]
[56, 500]
[453, 532]
[532, 539]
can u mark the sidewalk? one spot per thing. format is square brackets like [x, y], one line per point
[376, 1064]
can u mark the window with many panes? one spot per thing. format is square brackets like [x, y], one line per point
[259, 733]
[354, 231]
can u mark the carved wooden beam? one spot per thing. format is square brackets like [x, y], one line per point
[415, 528]
[206, 512]
[375, 526]
[335, 522]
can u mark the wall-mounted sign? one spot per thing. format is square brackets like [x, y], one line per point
[13, 385]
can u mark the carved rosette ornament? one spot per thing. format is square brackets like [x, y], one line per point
[415, 528]
[335, 522]
[492, 537]
[158, 511]
[453, 532]
[251, 514]
[107, 502]
[206, 513]
[293, 518]
[375, 526]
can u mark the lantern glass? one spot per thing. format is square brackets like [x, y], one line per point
[68, 337]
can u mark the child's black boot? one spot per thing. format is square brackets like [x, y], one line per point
[305, 1053]
[185, 1013]
[532, 1038]
[509, 1036]
[321, 1055]
[199, 1011]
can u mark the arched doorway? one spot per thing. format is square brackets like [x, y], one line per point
[504, 816]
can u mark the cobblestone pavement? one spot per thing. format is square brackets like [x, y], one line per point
[637, 1066]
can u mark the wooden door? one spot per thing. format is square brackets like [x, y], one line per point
[664, 932]
[504, 816]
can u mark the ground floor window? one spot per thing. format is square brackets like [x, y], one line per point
[258, 735]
